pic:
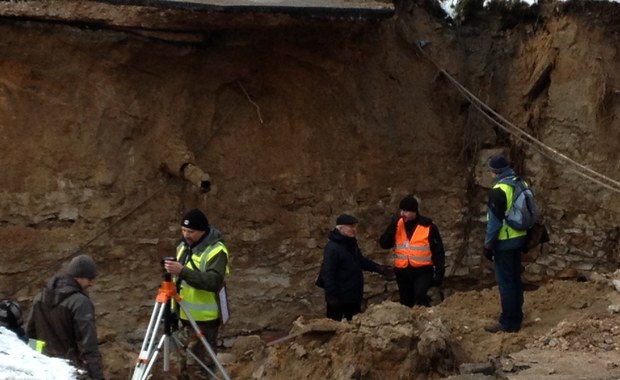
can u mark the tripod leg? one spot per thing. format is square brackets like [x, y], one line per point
[145, 371]
[146, 357]
[192, 322]
[166, 355]
[149, 336]
[142, 372]
[189, 352]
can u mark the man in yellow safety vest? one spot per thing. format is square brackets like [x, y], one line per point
[504, 246]
[199, 270]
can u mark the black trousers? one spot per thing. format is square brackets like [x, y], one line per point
[508, 275]
[347, 310]
[413, 284]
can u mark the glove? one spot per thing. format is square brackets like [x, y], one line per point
[488, 253]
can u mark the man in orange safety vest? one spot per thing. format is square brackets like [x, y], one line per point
[419, 257]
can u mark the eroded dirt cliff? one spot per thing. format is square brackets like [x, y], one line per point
[296, 122]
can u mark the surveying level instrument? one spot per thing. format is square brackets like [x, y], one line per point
[162, 312]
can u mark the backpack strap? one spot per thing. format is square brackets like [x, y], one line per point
[512, 181]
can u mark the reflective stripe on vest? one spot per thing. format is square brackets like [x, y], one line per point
[201, 304]
[415, 251]
[36, 344]
[507, 232]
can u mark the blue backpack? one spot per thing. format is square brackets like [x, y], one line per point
[524, 212]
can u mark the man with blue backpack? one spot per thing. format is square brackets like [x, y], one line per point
[511, 212]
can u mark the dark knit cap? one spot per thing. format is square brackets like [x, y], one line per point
[498, 163]
[195, 220]
[82, 266]
[346, 219]
[409, 203]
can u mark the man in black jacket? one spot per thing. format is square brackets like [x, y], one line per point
[341, 271]
[419, 257]
[63, 316]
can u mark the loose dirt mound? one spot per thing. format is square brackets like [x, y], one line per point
[569, 332]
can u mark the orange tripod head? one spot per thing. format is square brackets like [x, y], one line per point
[168, 289]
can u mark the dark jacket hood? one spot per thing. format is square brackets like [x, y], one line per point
[59, 288]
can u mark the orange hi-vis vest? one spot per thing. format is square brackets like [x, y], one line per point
[415, 251]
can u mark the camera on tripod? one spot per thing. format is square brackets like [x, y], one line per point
[163, 313]
[167, 275]
[167, 258]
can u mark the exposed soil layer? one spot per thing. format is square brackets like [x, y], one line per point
[299, 119]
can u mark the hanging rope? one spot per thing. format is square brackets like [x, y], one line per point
[526, 138]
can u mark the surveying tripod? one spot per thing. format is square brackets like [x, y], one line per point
[162, 311]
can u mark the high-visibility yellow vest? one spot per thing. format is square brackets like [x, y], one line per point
[507, 232]
[415, 251]
[37, 345]
[201, 304]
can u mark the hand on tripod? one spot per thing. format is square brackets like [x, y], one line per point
[173, 267]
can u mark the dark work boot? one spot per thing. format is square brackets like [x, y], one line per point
[497, 327]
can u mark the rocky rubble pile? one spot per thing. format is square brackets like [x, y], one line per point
[569, 332]
[595, 334]
[388, 340]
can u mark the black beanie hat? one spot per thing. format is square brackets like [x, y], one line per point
[345, 220]
[409, 203]
[82, 266]
[498, 163]
[195, 220]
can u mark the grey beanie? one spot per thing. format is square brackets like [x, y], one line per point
[82, 266]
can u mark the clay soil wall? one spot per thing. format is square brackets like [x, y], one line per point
[295, 125]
